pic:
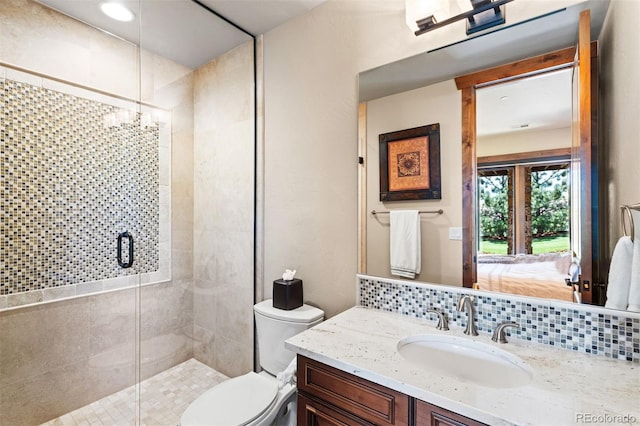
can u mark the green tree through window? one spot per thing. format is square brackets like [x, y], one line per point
[550, 202]
[494, 212]
[550, 209]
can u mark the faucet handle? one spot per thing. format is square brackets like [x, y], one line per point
[443, 324]
[499, 334]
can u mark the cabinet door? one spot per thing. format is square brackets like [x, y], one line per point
[350, 394]
[430, 415]
[314, 413]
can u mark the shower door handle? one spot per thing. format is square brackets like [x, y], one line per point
[129, 261]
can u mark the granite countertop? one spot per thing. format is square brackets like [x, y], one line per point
[567, 387]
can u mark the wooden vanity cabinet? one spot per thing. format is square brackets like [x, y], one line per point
[328, 396]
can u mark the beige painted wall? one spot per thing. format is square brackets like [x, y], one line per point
[438, 103]
[310, 153]
[59, 356]
[620, 91]
[223, 212]
[310, 161]
[524, 141]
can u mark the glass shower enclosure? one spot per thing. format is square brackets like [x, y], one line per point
[96, 181]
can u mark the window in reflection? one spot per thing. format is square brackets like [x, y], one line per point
[524, 217]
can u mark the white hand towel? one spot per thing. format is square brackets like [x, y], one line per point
[634, 287]
[405, 243]
[620, 275]
[288, 375]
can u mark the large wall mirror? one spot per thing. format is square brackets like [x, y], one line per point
[422, 90]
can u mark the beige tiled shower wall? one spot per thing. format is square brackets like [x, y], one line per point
[223, 212]
[59, 356]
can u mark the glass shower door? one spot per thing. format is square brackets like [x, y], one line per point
[196, 311]
[69, 190]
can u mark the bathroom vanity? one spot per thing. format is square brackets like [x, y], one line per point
[327, 395]
[350, 371]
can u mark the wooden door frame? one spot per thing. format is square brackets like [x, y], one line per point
[468, 84]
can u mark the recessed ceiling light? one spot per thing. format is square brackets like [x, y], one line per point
[504, 98]
[117, 11]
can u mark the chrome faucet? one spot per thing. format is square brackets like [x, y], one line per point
[443, 324]
[499, 334]
[466, 303]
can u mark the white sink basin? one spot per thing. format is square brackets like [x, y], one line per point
[466, 359]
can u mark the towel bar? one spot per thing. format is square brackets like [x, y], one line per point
[627, 209]
[373, 212]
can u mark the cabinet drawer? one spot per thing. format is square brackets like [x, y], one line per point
[315, 413]
[369, 401]
[431, 415]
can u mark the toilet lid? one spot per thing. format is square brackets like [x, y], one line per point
[236, 401]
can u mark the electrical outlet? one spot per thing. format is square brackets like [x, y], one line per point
[455, 233]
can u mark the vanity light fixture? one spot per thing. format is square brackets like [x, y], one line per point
[117, 11]
[484, 14]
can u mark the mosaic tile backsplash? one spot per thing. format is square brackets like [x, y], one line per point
[74, 174]
[614, 334]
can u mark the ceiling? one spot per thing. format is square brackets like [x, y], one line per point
[539, 102]
[186, 32]
[183, 30]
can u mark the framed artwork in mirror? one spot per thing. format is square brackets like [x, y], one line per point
[410, 164]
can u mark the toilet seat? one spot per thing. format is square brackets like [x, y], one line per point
[236, 401]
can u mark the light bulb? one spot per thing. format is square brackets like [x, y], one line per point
[416, 10]
[117, 11]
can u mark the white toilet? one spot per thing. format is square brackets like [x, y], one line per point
[259, 398]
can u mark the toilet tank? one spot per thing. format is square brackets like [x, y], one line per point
[274, 326]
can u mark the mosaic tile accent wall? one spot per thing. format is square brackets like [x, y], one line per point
[74, 174]
[582, 328]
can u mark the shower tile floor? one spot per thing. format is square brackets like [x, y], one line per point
[164, 397]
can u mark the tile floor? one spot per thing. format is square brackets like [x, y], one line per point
[163, 399]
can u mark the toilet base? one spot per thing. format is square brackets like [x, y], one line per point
[288, 413]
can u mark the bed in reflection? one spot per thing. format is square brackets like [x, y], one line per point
[526, 275]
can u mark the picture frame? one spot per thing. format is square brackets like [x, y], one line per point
[410, 164]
